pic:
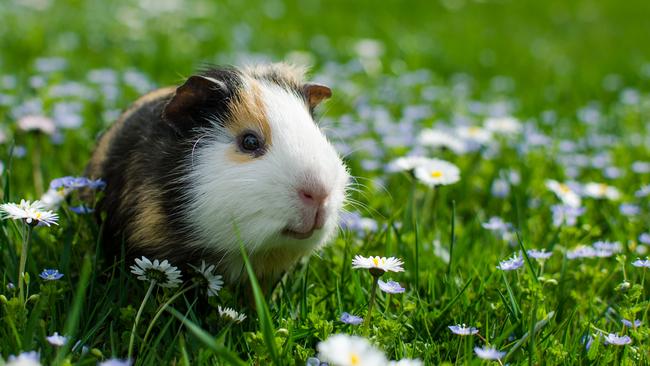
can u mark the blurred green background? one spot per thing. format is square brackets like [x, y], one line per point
[556, 51]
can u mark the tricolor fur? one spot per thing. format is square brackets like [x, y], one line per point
[185, 184]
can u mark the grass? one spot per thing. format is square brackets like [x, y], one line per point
[576, 72]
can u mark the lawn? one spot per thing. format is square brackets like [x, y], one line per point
[540, 244]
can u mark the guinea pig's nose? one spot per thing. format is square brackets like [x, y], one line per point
[313, 195]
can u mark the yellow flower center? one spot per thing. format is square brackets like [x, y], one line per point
[602, 188]
[474, 131]
[38, 215]
[436, 174]
[564, 188]
[354, 359]
[375, 261]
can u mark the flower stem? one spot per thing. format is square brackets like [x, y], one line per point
[371, 303]
[161, 309]
[137, 317]
[27, 235]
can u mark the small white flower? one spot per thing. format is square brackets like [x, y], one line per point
[437, 173]
[503, 125]
[37, 123]
[345, 350]
[564, 192]
[231, 314]
[488, 353]
[163, 273]
[212, 282]
[25, 359]
[407, 163]
[439, 138]
[475, 134]
[57, 340]
[384, 264]
[601, 190]
[33, 213]
[53, 198]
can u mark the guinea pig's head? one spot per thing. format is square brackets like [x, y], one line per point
[260, 170]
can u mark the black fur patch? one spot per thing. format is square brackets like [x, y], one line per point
[147, 155]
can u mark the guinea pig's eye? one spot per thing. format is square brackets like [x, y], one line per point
[250, 143]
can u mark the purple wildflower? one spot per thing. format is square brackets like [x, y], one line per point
[391, 287]
[348, 318]
[51, 274]
[617, 340]
[515, 262]
[644, 238]
[630, 324]
[462, 330]
[564, 214]
[629, 209]
[539, 254]
[641, 262]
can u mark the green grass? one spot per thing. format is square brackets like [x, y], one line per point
[546, 62]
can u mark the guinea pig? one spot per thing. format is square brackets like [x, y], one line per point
[232, 157]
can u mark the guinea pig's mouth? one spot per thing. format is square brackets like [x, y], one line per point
[298, 235]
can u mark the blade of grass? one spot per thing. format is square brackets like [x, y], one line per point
[262, 309]
[72, 322]
[205, 338]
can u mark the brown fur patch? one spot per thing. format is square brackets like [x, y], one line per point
[148, 226]
[247, 112]
[106, 140]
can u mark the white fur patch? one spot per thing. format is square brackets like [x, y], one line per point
[252, 203]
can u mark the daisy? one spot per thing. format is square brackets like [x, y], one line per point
[462, 330]
[439, 138]
[37, 123]
[25, 359]
[475, 134]
[33, 213]
[488, 353]
[162, 273]
[345, 350]
[503, 125]
[211, 281]
[437, 173]
[564, 192]
[348, 318]
[231, 314]
[391, 287]
[511, 264]
[617, 340]
[382, 264]
[57, 340]
[50, 274]
[53, 198]
[406, 163]
[601, 190]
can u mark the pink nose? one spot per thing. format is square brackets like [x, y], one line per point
[313, 196]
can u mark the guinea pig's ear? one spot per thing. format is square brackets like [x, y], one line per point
[199, 99]
[316, 93]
